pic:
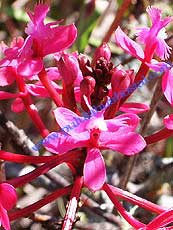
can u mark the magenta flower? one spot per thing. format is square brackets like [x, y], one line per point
[95, 134]
[48, 38]
[15, 58]
[152, 38]
[25, 57]
[8, 199]
[37, 89]
[167, 85]
[168, 121]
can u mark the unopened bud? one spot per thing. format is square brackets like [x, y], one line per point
[87, 86]
[102, 51]
[69, 68]
[121, 79]
[85, 65]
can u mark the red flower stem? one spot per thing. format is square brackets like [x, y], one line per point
[111, 110]
[68, 97]
[24, 212]
[66, 157]
[51, 90]
[18, 158]
[20, 181]
[136, 200]
[130, 219]
[161, 220]
[160, 135]
[30, 107]
[73, 203]
[141, 74]
[117, 20]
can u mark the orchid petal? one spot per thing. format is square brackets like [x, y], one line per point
[7, 75]
[53, 73]
[67, 118]
[127, 122]
[39, 90]
[5, 95]
[39, 14]
[128, 44]
[17, 106]
[4, 220]
[142, 34]
[167, 85]
[62, 38]
[123, 142]
[94, 170]
[168, 121]
[58, 142]
[155, 15]
[30, 67]
[160, 67]
[162, 49]
[8, 197]
[135, 108]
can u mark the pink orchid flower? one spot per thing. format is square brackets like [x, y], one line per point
[167, 85]
[15, 58]
[153, 38]
[25, 57]
[168, 122]
[37, 89]
[8, 199]
[48, 38]
[95, 134]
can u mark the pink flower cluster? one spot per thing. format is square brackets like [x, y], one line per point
[85, 85]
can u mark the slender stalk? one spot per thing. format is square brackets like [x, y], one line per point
[2, 171]
[30, 107]
[21, 180]
[37, 205]
[118, 17]
[153, 104]
[130, 219]
[18, 158]
[136, 200]
[144, 124]
[160, 135]
[51, 90]
[73, 203]
[68, 97]
[161, 220]
[66, 157]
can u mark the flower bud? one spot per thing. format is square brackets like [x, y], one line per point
[85, 65]
[121, 79]
[102, 51]
[69, 69]
[87, 86]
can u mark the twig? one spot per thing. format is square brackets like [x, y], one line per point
[19, 139]
[154, 101]
[117, 20]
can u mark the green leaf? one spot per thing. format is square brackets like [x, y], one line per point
[17, 14]
[85, 28]
[169, 147]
